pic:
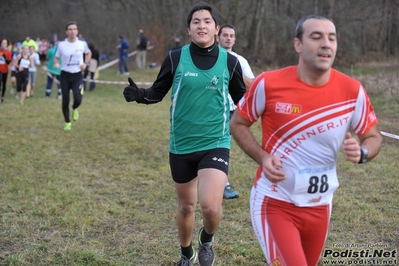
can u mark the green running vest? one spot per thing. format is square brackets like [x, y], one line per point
[199, 114]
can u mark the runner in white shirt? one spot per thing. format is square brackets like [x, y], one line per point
[227, 38]
[306, 112]
[32, 71]
[71, 51]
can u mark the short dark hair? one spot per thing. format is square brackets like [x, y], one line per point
[71, 23]
[229, 26]
[202, 6]
[299, 25]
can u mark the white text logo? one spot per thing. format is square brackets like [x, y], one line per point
[188, 73]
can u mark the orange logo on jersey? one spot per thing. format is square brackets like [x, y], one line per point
[315, 200]
[288, 108]
[276, 262]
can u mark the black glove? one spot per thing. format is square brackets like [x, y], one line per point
[133, 93]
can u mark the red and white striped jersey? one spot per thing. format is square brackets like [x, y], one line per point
[305, 126]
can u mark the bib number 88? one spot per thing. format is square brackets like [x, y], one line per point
[314, 185]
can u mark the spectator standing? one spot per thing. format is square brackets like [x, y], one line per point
[142, 44]
[123, 49]
[177, 44]
[54, 40]
[92, 67]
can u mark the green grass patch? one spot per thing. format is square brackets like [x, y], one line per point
[102, 193]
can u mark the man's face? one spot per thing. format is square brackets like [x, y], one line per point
[203, 29]
[319, 44]
[72, 31]
[227, 38]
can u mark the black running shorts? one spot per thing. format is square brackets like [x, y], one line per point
[184, 167]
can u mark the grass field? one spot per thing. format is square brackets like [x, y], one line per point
[102, 193]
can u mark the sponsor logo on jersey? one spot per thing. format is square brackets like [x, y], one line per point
[288, 108]
[277, 262]
[214, 80]
[190, 74]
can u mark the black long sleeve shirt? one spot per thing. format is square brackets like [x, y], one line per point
[203, 58]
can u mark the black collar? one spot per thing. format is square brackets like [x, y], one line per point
[208, 51]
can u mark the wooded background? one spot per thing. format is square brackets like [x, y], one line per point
[367, 29]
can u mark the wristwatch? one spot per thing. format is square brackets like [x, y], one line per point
[363, 154]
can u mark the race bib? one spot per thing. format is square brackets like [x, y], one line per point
[315, 185]
[74, 60]
[2, 60]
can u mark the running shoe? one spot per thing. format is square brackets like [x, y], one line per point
[17, 97]
[68, 126]
[206, 254]
[184, 261]
[75, 114]
[12, 91]
[230, 193]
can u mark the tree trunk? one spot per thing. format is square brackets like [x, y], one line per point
[393, 36]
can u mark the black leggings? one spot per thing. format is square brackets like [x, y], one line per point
[22, 80]
[71, 81]
[3, 82]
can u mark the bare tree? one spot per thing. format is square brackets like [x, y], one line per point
[265, 28]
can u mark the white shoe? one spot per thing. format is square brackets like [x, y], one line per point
[12, 91]
[17, 97]
[126, 73]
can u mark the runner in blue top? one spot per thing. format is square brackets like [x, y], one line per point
[201, 76]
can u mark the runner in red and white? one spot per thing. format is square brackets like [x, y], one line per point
[301, 123]
[306, 112]
[43, 48]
